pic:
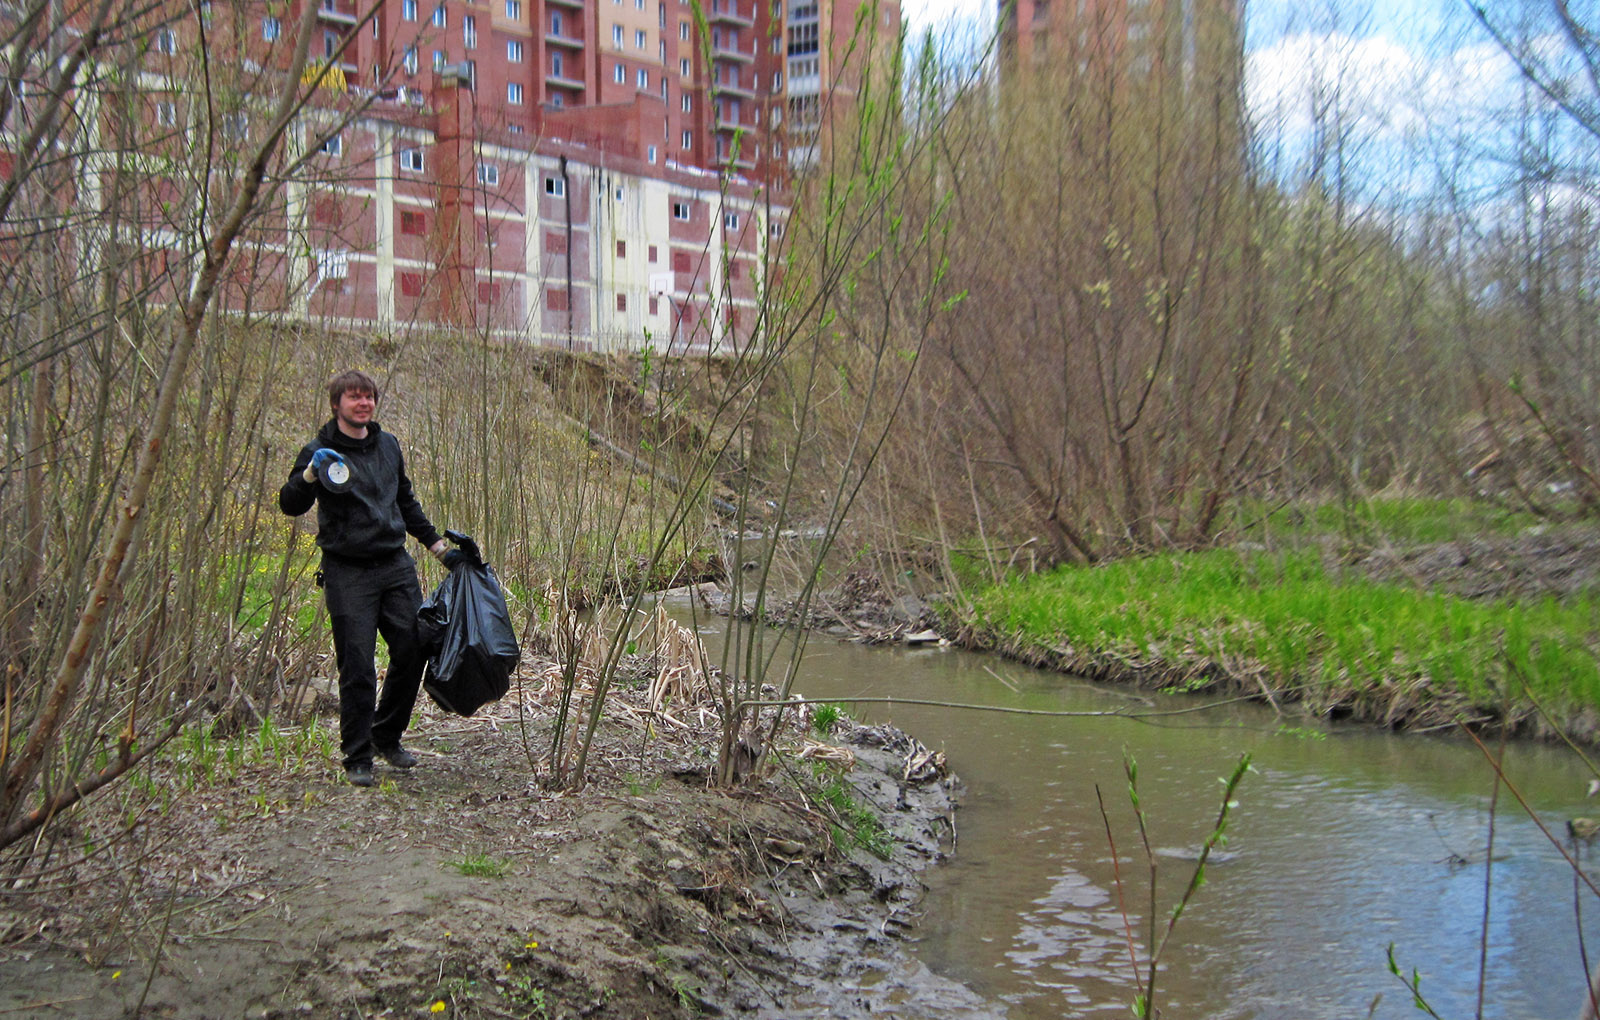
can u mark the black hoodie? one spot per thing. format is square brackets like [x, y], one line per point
[369, 521]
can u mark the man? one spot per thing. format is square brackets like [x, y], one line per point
[355, 473]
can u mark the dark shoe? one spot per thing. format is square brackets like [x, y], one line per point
[399, 757]
[359, 775]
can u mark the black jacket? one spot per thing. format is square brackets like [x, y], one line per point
[370, 521]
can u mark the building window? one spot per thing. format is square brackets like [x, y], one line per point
[514, 93]
[469, 32]
[438, 60]
[438, 17]
[408, 10]
[661, 51]
[619, 193]
[330, 44]
[683, 66]
[642, 80]
[655, 304]
[680, 262]
[517, 129]
[688, 139]
[555, 300]
[775, 229]
[235, 127]
[622, 249]
[166, 113]
[166, 41]
[488, 293]
[488, 174]
[555, 66]
[514, 10]
[555, 186]
[554, 243]
[413, 223]
[410, 60]
[619, 74]
[557, 100]
[333, 265]
[639, 39]
[650, 153]
[271, 28]
[683, 30]
[411, 161]
[730, 221]
[733, 269]
[686, 104]
[680, 210]
[555, 22]
[411, 284]
[514, 51]
[616, 36]
[334, 146]
[777, 81]
[622, 302]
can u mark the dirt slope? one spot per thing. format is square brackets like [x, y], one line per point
[464, 888]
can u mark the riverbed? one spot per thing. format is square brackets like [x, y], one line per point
[1345, 840]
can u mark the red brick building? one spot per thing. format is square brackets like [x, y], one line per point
[597, 174]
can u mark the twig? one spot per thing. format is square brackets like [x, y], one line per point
[1122, 901]
[37, 1003]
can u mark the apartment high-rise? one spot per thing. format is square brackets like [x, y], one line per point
[597, 174]
[1137, 37]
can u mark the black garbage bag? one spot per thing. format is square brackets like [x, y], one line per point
[465, 628]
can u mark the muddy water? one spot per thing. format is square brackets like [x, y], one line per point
[1345, 840]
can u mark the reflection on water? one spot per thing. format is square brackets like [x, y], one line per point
[1340, 846]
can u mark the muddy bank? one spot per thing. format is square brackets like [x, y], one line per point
[463, 888]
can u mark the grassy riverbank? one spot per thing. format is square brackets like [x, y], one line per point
[1299, 625]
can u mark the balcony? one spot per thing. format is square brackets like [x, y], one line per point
[558, 81]
[576, 5]
[726, 12]
[566, 41]
[723, 51]
[329, 10]
[740, 91]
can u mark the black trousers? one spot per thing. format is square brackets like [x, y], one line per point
[365, 600]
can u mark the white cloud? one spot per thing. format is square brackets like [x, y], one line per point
[941, 15]
[1375, 84]
[1391, 103]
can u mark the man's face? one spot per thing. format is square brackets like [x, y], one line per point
[355, 408]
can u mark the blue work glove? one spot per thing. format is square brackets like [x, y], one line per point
[322, 458]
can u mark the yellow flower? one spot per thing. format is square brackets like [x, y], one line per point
[116, 974]
[437, 1007]
[532, 945]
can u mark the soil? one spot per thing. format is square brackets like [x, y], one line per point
[465, 888]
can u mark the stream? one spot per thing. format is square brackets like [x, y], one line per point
[1345, 840]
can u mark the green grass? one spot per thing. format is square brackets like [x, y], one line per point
[825, 717]
[1285, 612]
[1401, 520]
[853, 823]
[481, 866]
